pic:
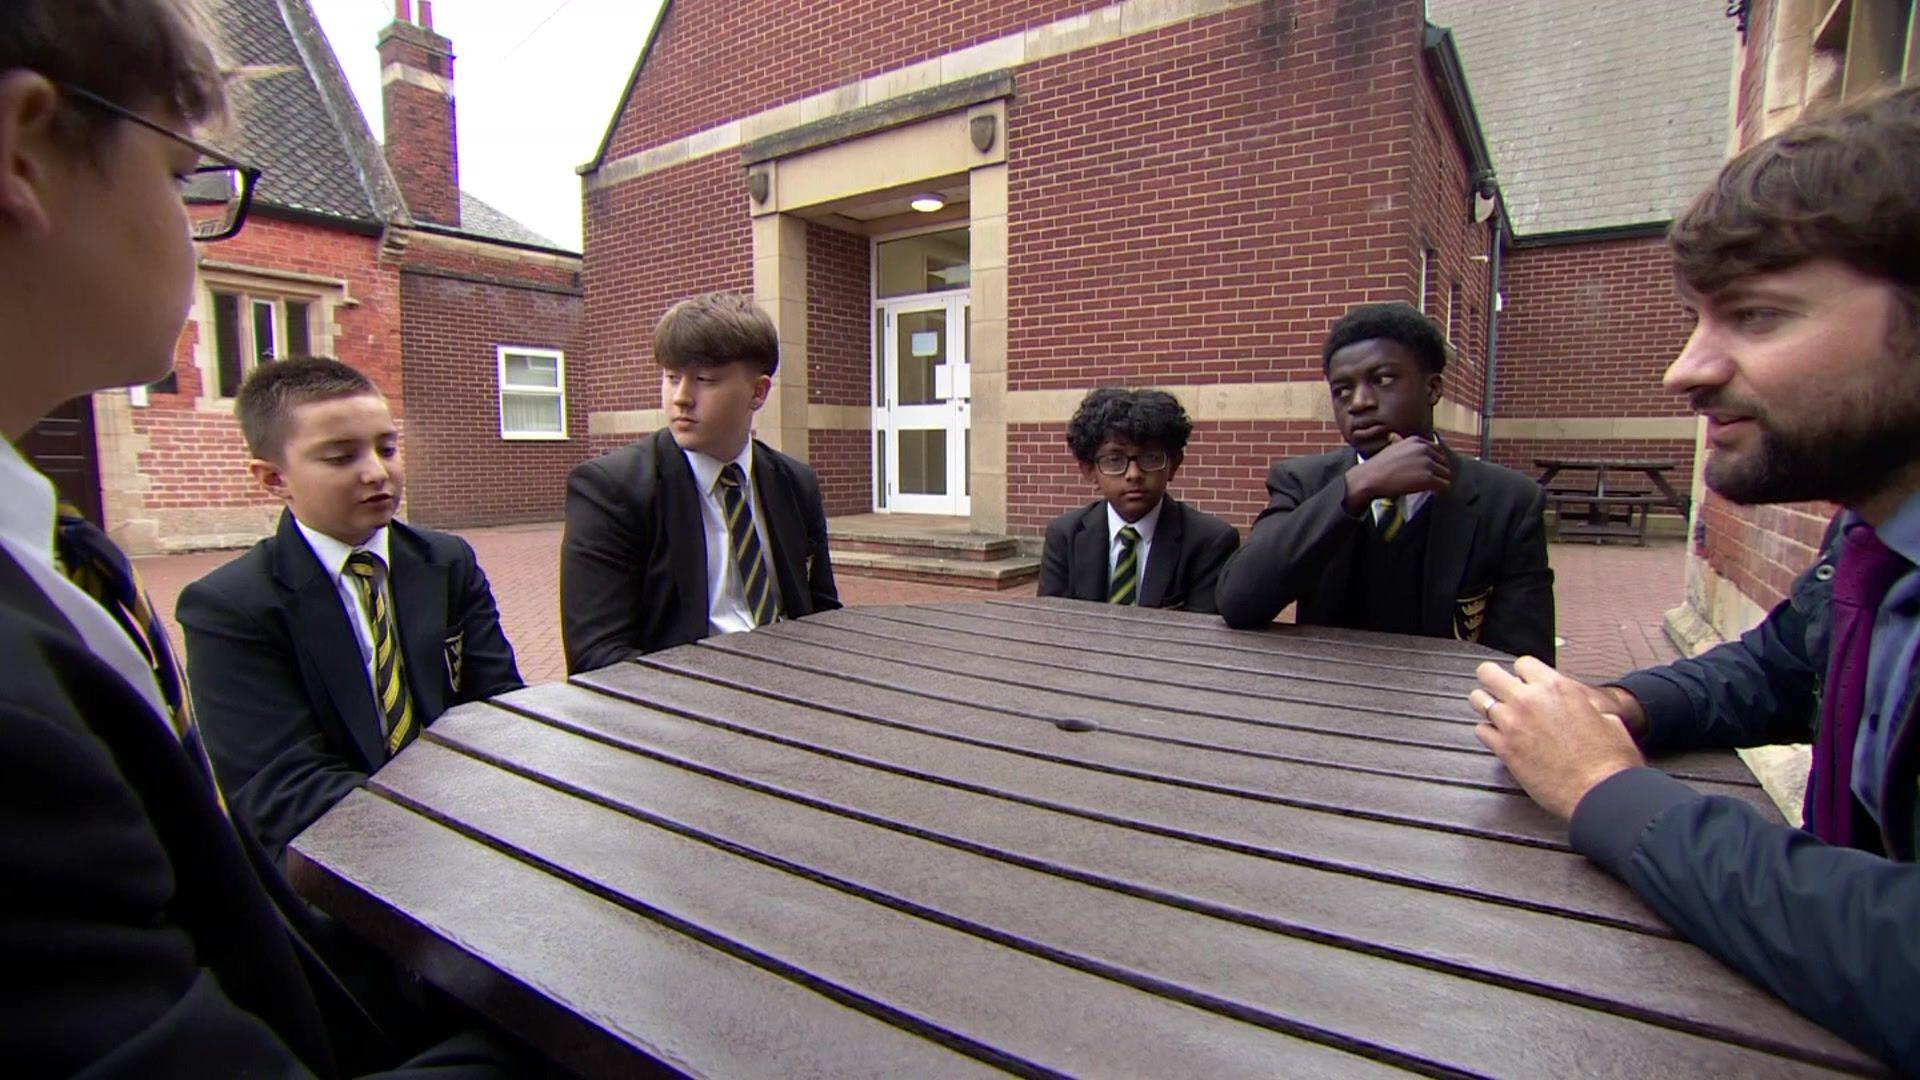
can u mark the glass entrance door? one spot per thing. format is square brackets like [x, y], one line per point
[923, 419]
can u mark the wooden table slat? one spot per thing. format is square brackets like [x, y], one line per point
[1333, 742]
[1336, 643]
[1330, 783]
[1706, 766]
[1649, 977]
[633, 992]
[1228, 967]
[801, 925]
[1209, 647]
[1138, 658]
[1047, 836]
[1538, 877]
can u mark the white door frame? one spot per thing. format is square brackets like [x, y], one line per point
[952, 413]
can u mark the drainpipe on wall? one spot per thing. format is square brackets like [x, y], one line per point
[1493, 336]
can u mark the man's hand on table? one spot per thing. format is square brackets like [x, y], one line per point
[1559, 737]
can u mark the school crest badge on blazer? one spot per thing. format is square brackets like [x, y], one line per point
[455, 652]
[1470, 616]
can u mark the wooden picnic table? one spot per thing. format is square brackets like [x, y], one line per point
[1039, 836]
[1607, 512]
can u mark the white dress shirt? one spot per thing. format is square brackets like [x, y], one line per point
[727, 608]
[1145, 526]
[333, 559]
[27, 508]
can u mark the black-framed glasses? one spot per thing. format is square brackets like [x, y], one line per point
[1116, 464]
[218, 192]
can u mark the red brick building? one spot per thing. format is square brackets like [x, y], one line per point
[961, 224]
[464, 318]
[1602, 128]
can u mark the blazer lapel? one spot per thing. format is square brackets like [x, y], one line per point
[315, 610]
[1087, 580]
[679, 501]
[785, 531]
[1164, 556]
[420, 605]
[1449, 544]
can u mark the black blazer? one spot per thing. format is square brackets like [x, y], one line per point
[1189, 548]
[633, 562]
[140, 934]
[278, 685]
[1486, 570]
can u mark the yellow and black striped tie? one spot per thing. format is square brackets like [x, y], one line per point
[1125, 588]
[1388, 516]
[369, 576]
[762, 598]
[103, 571]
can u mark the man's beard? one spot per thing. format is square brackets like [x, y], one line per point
[1844, 461]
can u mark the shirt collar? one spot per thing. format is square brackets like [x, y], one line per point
[1144, 526]
[1901, 532]
[333, 554]
[706, 468]
[27, 505]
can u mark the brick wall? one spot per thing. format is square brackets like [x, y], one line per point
[1588, 330]
[711, 60]
[843, 460]
[1760, 549]
[460, 470]
[649, 243]
[1456, 285]
[839, 318]
[1194, 205]
[194, 457]
[1199, 203]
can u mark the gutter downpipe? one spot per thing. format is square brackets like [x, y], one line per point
[1493, 336]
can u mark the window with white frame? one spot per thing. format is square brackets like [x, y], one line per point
[533, 393]
[250, 329]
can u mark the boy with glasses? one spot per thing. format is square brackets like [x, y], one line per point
[141, 933]
[1396, 532]
[1136, 544]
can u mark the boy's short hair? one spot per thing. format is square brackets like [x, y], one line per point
[1840, 183]
[1396, 321]
[134, 53]
[716, 328]
[1141, 417]
[267, 399]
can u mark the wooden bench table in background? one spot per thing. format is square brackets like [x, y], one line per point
[1036, 836]
[1588, 509]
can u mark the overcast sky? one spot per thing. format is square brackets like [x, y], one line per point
[535, 82]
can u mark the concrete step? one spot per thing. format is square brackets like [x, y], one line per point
[974, 547]
[1005, 572]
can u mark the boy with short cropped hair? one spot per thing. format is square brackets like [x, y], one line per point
[1135, 544]
[320, 653]
[1395, 532]
[699, 528]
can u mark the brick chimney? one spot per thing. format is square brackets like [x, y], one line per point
[416, 83]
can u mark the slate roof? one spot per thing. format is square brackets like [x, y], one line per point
[297, 119]
[479, 219]
[282, 122]
[1599, 115]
